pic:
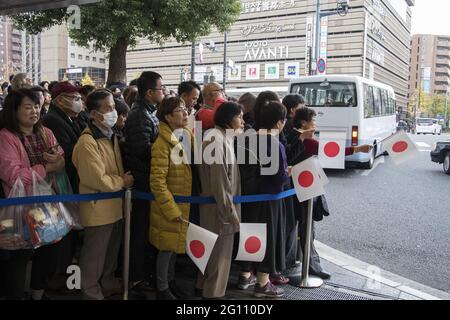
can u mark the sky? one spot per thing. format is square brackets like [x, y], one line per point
[431, 17]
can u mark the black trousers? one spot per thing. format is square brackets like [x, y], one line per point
[13, 270]
[142, 253]
[45, 262]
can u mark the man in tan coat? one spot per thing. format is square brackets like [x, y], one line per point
[99, 164]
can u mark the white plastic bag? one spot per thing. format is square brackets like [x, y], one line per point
[49, 222]
[13, 235]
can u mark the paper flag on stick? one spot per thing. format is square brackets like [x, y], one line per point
[199, 245]
[252, 242]
[400, 147]
[307, 182]
[332, 149]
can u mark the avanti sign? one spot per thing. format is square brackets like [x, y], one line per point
[260, 50]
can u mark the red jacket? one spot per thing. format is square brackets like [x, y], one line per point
[206, 115]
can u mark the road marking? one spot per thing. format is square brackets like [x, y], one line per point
[423, 144]
[375, 165]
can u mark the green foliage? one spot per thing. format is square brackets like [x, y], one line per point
[103, 23]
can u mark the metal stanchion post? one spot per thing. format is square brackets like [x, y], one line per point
[126, 244]
[307, 280]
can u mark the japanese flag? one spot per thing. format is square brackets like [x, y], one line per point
[253, 242]
[199, 245]
[322, 176]
[400, 147]
[332, 150]
[307, 182]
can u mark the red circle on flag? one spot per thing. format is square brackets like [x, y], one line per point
[252, 245]
[400, 146]
[197, 248]
[306, 179]
[332, 149]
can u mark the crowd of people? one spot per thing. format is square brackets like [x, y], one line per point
[106, 140]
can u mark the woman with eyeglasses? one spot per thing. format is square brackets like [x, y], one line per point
[170, 176]
[27, 146]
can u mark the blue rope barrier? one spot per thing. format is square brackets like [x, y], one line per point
[138, 195]
[61, 198]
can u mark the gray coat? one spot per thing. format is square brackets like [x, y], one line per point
[221, 180]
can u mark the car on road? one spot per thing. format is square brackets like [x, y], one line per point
[441, 154]
[428, 125]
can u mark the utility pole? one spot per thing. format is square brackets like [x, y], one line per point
[193, 62]
[225, 62]
[318, 21]
[446, 110]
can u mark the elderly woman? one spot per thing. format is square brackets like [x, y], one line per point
[221, 180]
[27, 146]
[168, 225]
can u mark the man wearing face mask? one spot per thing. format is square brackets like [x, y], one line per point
[63, 119]
[98, 160]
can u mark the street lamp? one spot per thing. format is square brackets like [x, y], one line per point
[342, 10]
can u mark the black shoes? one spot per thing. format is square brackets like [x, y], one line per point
[176, 291]
[165, 295]
[322, 274]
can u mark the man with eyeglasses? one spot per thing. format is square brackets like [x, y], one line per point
[140, 132]
[63, 118]
[214, 96]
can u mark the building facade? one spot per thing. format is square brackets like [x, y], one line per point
[10, 49]
[63, 59]
[430, 64]
[270, 44]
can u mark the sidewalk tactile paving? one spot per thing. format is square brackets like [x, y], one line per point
[294, 293]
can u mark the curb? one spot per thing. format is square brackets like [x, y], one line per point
[403, 285]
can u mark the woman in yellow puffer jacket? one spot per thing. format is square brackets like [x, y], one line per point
[170, 176]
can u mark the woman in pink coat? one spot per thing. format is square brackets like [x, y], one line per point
[26, 146]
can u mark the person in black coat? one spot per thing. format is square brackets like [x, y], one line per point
[63, 119]
[66, 120]
[140, 132]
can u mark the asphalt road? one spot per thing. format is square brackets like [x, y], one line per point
[395, 217]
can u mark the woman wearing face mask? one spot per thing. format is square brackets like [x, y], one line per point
[220, 179]
[99, 163]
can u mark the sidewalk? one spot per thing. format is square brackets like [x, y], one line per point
[351, 279]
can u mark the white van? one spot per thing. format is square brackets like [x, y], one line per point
[428, 125]
[363, 108]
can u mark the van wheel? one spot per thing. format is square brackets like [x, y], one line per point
[447, 163]
[369, 164]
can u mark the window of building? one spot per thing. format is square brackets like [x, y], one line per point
[72, 55]
[94, 59]
[88, 58]
[80, 57]
[102, 60]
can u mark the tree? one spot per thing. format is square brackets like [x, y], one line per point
[87, 80]
[116, 25]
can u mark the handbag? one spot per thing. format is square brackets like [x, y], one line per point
[320, 208]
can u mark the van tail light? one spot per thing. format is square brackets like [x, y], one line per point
[355, 136]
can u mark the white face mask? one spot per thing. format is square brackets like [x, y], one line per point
[77, 106]
[110, 119]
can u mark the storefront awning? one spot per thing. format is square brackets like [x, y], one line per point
[18, 6]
